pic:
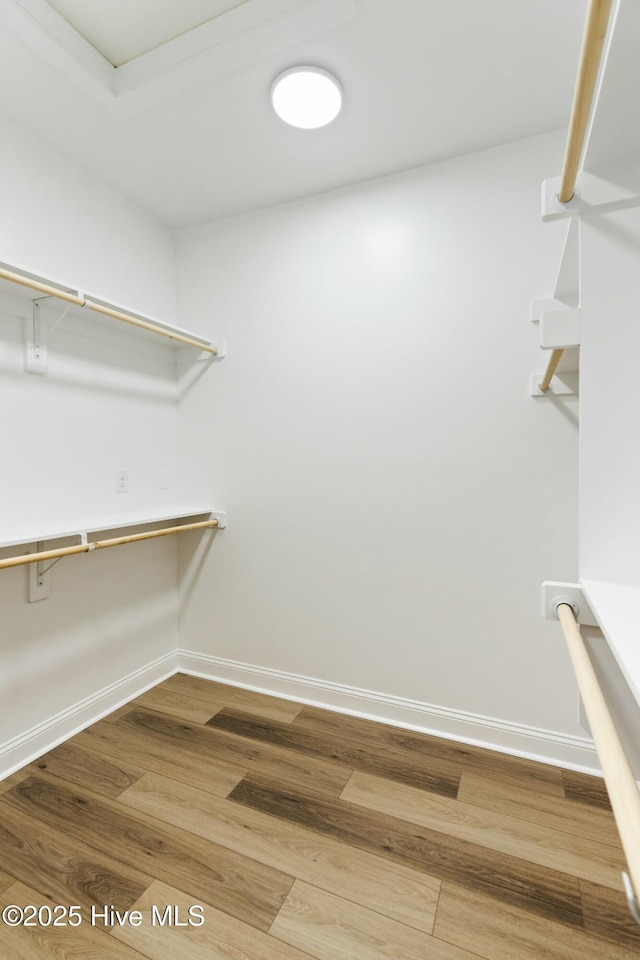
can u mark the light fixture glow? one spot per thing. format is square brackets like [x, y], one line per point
[306, 97]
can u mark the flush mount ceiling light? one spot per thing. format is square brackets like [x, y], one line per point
[306, 97]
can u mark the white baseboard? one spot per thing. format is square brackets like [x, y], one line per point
[576, 753]
[19, 751]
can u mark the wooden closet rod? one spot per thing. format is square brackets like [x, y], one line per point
[591, 53]
[41, 287]
[621, 784]
[50, 291]
[102, 544]
[145, 325]
[552, 366]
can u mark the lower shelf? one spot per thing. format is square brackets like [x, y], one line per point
[13, 536]
[617, 609]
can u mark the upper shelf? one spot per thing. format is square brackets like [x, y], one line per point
[615, 133]
[20, 277]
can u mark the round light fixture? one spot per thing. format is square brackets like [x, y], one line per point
[306, 97]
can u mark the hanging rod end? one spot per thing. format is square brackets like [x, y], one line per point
[555, 592]
[552, 206]
[564, 384]
[220, 348]
[221, 517]
[568, 602]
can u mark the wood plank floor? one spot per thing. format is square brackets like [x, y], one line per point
[295, 833]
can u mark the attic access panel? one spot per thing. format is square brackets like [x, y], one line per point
[121, 30]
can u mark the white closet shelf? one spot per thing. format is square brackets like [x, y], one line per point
[14, 536]
[18, 278]
[617, 609]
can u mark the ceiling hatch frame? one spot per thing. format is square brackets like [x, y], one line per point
[232, 40]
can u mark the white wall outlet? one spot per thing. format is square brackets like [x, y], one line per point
[164, 480]
[122, 481]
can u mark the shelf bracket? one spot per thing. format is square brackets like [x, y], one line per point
[39, 580]
[37, 338]
[60, 318]
[84, 541]
[35, 356]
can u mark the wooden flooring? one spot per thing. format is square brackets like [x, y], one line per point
[302, 834]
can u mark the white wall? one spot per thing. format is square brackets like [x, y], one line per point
[107, 403]
[395, 496]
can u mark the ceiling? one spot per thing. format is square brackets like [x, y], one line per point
[168, 102]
